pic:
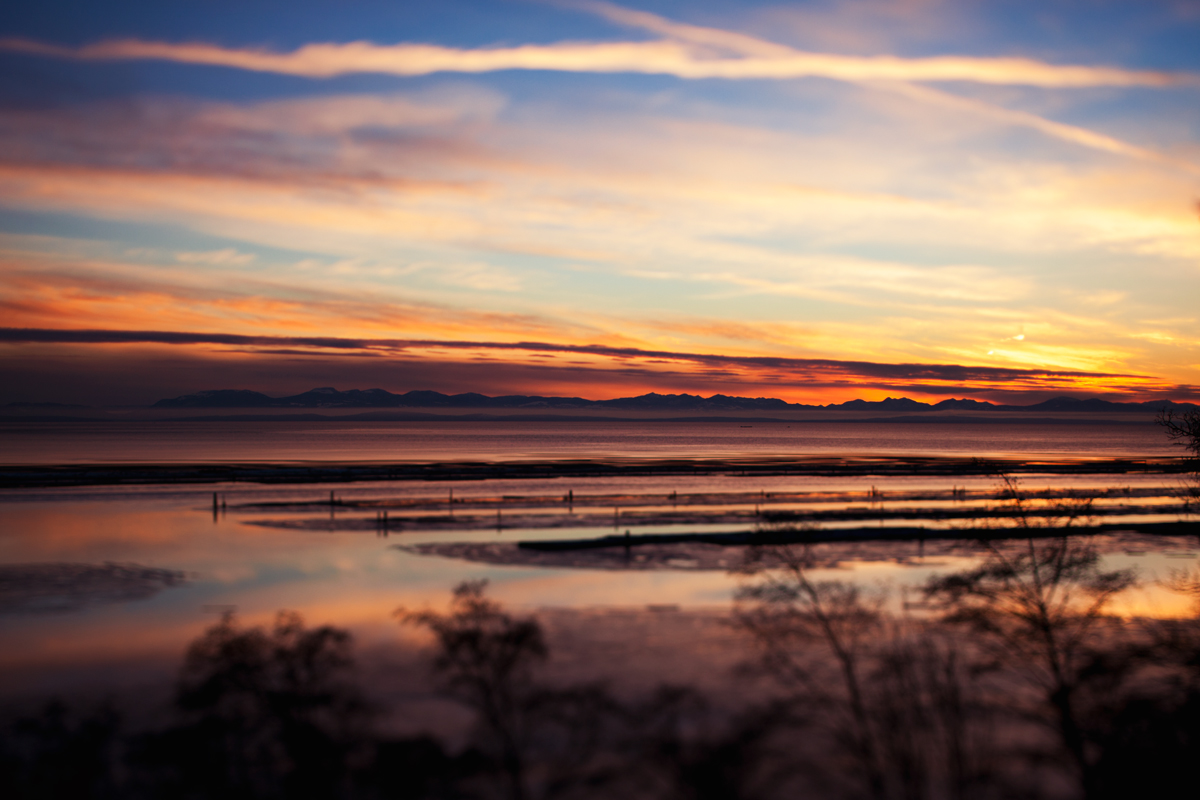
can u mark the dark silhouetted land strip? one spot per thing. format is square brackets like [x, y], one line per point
[330, 472]
[874, 533]
[828, 549]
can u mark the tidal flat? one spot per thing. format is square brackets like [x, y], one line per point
[926, 623]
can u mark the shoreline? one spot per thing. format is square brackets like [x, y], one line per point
[909, 533]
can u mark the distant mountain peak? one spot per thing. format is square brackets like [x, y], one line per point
[888, 404]
[974, 405]
[218, 398]
[330, 397]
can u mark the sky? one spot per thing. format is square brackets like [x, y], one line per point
[816, 201]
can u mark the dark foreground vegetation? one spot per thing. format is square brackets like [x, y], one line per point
[1013, 680]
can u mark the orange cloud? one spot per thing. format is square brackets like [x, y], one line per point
[693, 216]
[102, 295]
[588, 364]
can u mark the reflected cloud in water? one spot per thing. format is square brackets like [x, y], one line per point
[60, 588]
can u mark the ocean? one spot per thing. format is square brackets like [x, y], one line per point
[168, 441]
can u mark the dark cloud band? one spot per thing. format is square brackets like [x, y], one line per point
[956, 373]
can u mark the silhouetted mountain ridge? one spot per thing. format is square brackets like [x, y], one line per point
[329, 397]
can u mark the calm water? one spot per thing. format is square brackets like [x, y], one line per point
[102, 589]
[174, 442]
[130, 628]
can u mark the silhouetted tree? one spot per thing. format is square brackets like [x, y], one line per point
[1040, 609]
[268, 714]
[1065, 512]
[1182, 427]
[1150, 741]
[485, 659]
[546, 741]
[894, 695]
[805, 628]
[552, 741]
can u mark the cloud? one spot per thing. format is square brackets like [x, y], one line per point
[687, 51]
[663, 199]
[480, 277]
[693, 53]
[858, 281]
[650, 193]
[93, 293]
[898, 80]
[226, 257]
[438, 109]
[888, 229]
[136, 367]
[798, 367]
[1067, 133]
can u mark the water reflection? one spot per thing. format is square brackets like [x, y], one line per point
[997, 661]
[1020, 685]
[60, 588]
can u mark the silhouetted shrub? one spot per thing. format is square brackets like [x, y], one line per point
[58, 754]
[891, 706]
[267, 714]
[541, 740]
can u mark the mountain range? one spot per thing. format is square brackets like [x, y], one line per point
[328, 397]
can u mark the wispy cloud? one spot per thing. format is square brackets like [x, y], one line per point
[1067, 133]
[686, 51]
[677, 218]
[692, 53]
[899, 79]
[224, 257]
